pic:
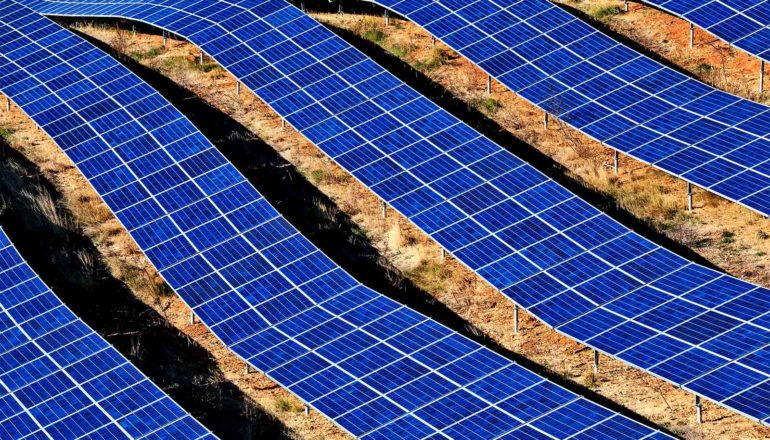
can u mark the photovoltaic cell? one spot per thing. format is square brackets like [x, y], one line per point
[547, 250]
[376, 368]
[59, 379]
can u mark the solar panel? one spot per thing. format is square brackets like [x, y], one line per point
[59, 379]
[609, 92]
[571, 266]
[743, 24]
[376, 368]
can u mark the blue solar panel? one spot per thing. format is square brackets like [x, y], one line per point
[544, 248]
[376, 368]
[614, 94]
[59, 379]
[742, 23]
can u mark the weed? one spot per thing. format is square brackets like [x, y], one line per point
[605, 12]
[761, 253]
[317, 176]
[727, 237]
[181, 63]
[403, 50]
[762, 235]
[490, 105]
[286, 405]
[208, 67]
[148, 54]
[375, 35]
[120, 42]
[175, 63]
[437, 58]
[704, 68]
[432, 276]
[6, 133]
[590, 380]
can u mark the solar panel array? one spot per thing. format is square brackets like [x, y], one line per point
[573, 267]
[742, 23]
[376, 368]
[609, 92]
[59, 379]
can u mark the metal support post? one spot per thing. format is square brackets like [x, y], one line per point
[238, 88]
[616, 163]
[625, 5]
[433, 41]
[165, 38]
[384, 209]
[515, 319]
[246, 369]
[339, 11]
[698, 410]
[133, 29]
[387, 18]
[302, 7]
[689, 196]
[692, 35]
[596, 361]
[545, 120]
[7, 104]
[443, 254]
[201, 58]
[283, 123]
[192, 317]
[761, 76]
[489, 85]
[307, 410]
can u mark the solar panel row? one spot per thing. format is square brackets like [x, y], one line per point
[742, 23]
[59, 379]
[571, 266]
[609, 92]
[376, 368]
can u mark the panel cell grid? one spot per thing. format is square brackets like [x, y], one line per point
[557, 265]
[63, 380]
[373, 366]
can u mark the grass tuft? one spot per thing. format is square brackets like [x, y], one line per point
[6, 133]
[317, 176]
[437, 58]
[490, 105]
[375, 35]
[148, 54]
[286, 405]
[403, 50]
[605, 12]
[590, 380]
[727, 237]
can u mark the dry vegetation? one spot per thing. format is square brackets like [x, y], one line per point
[722, 232]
